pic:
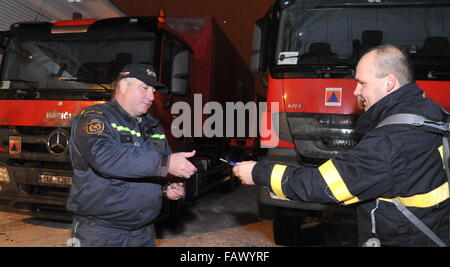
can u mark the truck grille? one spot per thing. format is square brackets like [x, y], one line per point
[35, 153]
[323, 136]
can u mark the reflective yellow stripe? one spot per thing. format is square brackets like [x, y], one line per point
[426, 200]
[276, 178]
[125, 129]
[336, 184]
[441, 151]
[351, 201]
[158, 136]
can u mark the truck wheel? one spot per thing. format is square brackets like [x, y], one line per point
[286, 230]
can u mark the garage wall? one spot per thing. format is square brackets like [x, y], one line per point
[12, 11]
[236, 17]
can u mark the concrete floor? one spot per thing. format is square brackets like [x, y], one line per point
[218, 219]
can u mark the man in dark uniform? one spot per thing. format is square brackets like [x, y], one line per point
[393, 161]
[116, 148]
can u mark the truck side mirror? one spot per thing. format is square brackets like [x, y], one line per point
[180, 74]
[256, 48]
[3, 37]
[258, 63]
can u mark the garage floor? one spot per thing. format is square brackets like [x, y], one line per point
[217, 219]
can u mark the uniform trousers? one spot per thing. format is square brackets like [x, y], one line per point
[88, 233]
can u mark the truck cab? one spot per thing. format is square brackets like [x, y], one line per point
[306, 53]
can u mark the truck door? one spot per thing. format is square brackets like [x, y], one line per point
[174, 71]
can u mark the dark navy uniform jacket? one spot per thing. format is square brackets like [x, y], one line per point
[114, 157]
[389, 162]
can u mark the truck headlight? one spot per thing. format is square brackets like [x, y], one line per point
[4, 176]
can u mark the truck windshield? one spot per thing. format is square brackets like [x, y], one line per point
[68, 62]
[311, 37]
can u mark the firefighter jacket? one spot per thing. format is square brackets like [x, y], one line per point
[114, 158]
[393, 161]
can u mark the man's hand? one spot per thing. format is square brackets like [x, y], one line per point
[175, 191]
[243, 170]
[179, 165]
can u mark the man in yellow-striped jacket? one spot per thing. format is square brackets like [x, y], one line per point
[389, 162]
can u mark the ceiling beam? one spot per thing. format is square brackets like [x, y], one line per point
[63, 9]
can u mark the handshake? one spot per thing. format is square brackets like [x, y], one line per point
[180, 166]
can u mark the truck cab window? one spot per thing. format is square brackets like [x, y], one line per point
[170, 49]
[61, 62]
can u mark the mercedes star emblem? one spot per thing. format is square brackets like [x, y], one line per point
[58, 141]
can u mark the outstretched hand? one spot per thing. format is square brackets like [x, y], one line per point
[243, 170]
[179, 166]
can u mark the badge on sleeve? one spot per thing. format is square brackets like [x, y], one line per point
[95, 126]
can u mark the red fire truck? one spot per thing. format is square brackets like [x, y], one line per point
[52, 71]
[306, 52]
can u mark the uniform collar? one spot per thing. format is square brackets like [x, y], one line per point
[122, 111]
[388, 105]
[152, 121]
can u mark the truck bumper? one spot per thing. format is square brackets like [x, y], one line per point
[27, 194]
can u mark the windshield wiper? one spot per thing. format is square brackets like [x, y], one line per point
[26, 94]
[76, 80]
[30, 84]
[335, 70]
[98, 96]
[437, 74]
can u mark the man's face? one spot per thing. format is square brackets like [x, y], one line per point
[137, 96]
[369, 88]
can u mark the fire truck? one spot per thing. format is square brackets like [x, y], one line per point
[305, 52]
[51, 72]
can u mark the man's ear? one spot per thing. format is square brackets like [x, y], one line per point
[123, 84]
[391, 83]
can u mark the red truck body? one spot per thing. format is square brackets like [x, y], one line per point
[35, 180]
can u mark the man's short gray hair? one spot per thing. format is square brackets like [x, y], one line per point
[115, 86]
[391, 60]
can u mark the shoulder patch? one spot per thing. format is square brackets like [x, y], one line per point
[95, 126]
[92, 111]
